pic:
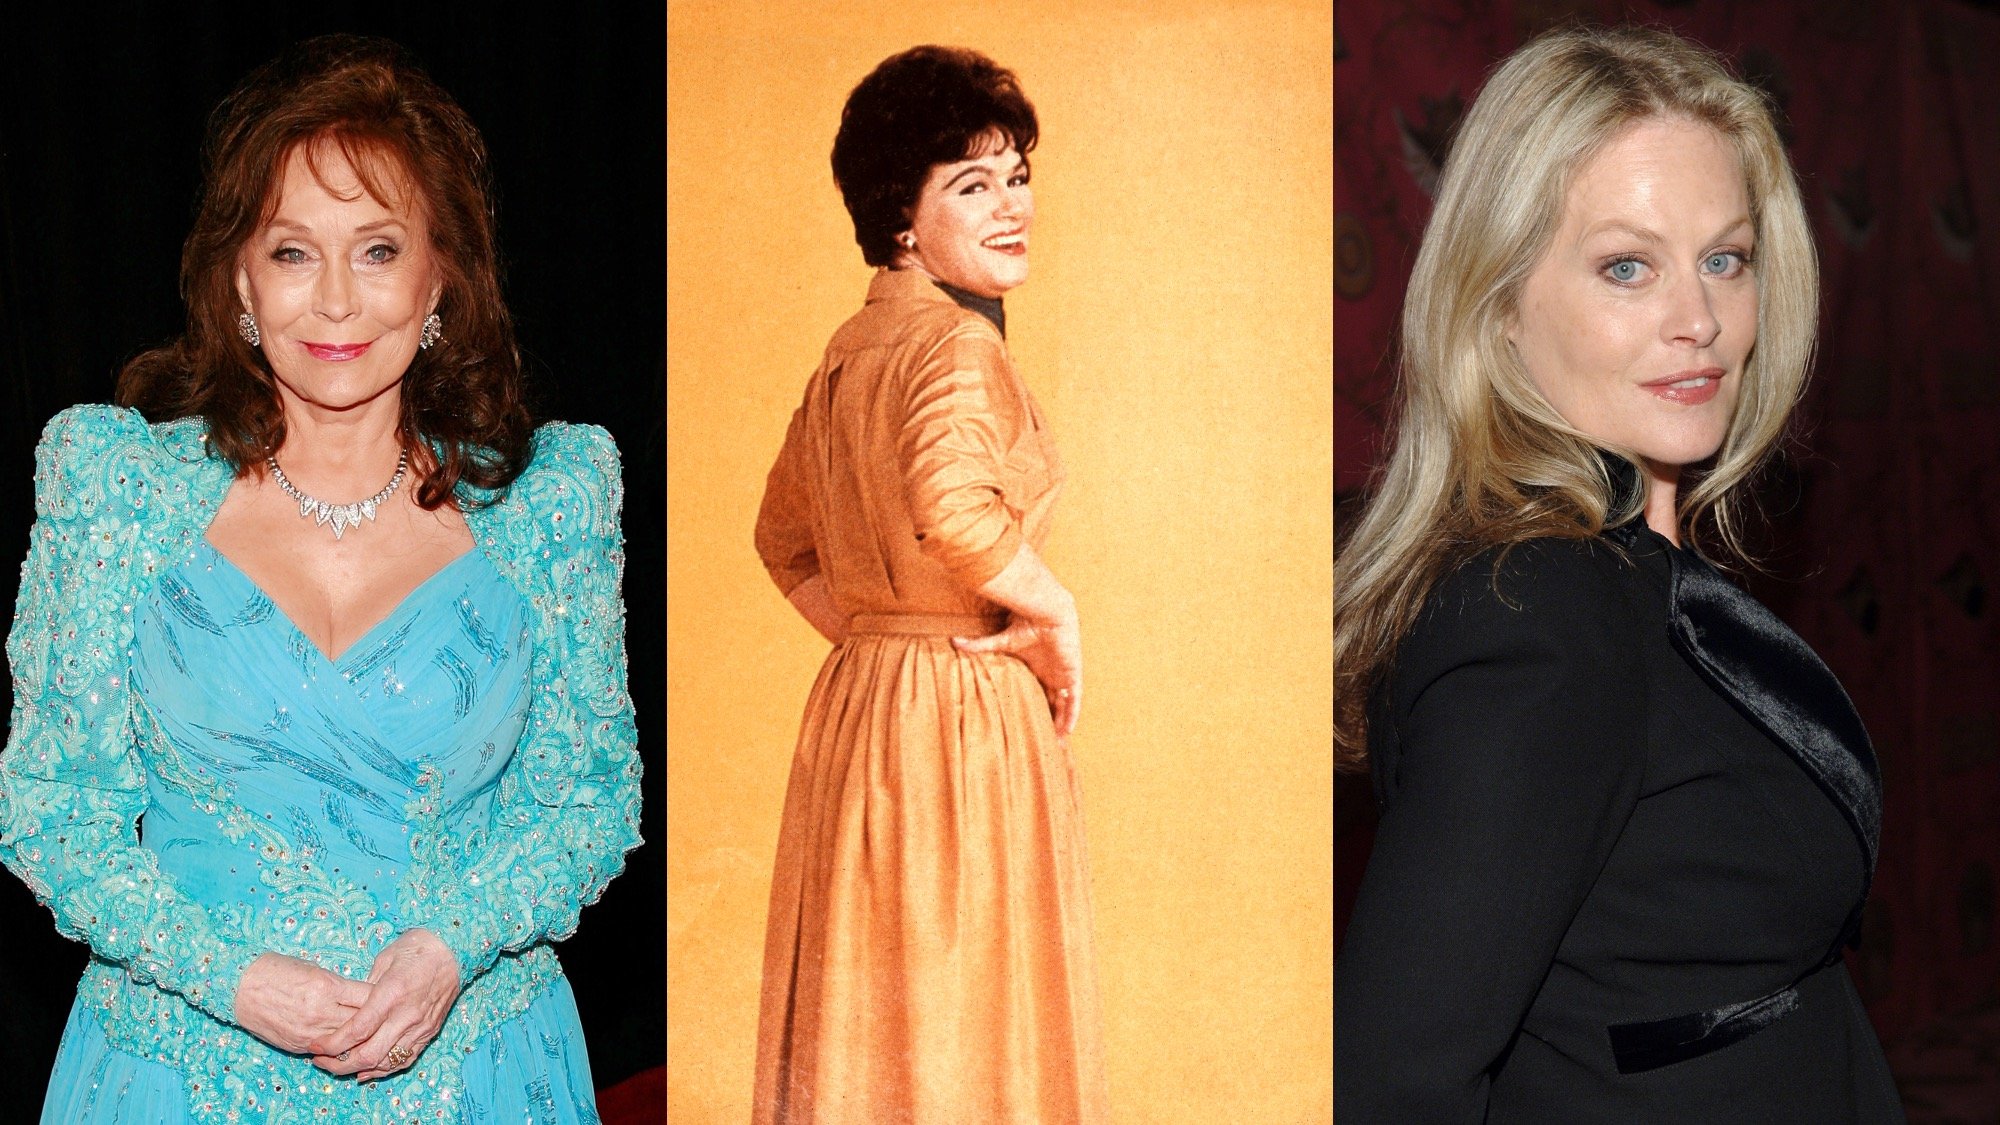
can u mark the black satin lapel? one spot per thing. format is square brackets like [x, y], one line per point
[1781, 685]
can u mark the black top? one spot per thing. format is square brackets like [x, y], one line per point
[1628, 820]
[988, 307]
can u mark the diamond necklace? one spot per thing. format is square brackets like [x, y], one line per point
[341, 516]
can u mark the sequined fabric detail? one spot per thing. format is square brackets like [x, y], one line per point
[261, 1085]
[121, 504]
[568, 805]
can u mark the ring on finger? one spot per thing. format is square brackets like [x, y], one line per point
[398, 1055]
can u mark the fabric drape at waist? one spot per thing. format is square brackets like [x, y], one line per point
[927, 624]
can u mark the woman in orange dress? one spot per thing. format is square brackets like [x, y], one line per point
[928, 950]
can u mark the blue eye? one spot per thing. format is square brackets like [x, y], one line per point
[380, 252]
[1725, 263]
[1624, 272]
[290, 255]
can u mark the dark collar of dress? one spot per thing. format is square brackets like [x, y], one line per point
[988, 307]
[1771, 676]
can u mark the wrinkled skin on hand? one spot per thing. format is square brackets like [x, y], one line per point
[295, 1005]
[412, 986]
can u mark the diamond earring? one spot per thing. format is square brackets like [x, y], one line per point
[246, 324]
[433, 331]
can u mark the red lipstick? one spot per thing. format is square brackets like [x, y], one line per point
[1689, 388]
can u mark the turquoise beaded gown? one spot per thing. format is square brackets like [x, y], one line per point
[314, 805]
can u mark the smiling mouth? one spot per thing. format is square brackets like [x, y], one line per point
[337, 353]
[1689, 388]
[1013, 242]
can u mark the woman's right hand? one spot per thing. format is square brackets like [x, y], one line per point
[1052, 650]
[293, 1005]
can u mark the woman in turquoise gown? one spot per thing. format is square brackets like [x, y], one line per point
[320, 881]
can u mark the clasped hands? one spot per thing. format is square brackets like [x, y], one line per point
[370, 1028]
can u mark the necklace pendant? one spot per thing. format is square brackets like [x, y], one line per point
[341, 516]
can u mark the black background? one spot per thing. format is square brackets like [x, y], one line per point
[101, 121]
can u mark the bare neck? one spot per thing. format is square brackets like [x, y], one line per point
[340, 451]
[1663, 500]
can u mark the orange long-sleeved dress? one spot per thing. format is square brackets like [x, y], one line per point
[928, 957]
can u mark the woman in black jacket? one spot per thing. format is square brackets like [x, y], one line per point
[1628, 818]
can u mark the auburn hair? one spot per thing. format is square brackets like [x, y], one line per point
[464, 415]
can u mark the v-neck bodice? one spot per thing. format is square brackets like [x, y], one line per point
[340, 753]
[356, 645]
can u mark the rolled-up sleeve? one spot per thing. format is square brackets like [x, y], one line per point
[784, 535]
[965, 413]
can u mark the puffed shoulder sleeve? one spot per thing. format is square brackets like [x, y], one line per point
[71, 783]
[1518, 712]
[966, 410]
[567, 810]
[785, 541]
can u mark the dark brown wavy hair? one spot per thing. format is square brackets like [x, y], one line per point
[918, 109]
[398, 129]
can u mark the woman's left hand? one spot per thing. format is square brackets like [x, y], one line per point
[415, 983]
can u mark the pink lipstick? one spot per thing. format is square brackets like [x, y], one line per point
[337, 353]
[1689, 388]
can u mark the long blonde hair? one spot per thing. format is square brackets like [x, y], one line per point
[1481, 458]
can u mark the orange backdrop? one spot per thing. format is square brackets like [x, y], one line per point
[1178, 330]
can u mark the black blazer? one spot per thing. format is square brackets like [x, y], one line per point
[1628, 821]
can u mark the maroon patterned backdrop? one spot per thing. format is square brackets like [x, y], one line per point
[1885, 542]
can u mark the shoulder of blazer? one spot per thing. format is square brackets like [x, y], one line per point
[1575, 603]
[1546, 585]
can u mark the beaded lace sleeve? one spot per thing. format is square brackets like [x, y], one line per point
[71, 783]
[568, 806]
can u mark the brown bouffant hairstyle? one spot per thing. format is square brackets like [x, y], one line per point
[406, 139]
[924, 107]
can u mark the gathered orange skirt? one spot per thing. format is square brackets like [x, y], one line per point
[927, 959]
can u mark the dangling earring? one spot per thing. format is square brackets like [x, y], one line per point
[433, 331]
[246, 325]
